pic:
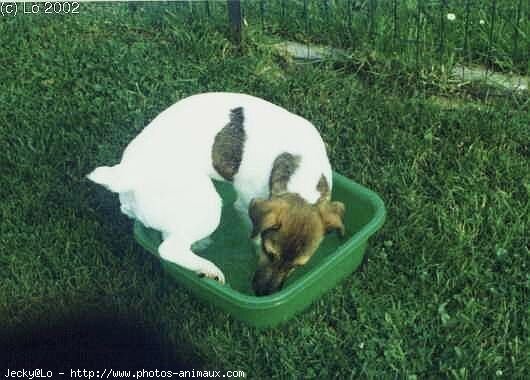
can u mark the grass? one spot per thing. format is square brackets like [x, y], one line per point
[443, 292]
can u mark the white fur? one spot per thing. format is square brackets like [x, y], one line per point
[164, 177]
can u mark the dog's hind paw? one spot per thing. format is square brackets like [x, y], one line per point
[211, 271]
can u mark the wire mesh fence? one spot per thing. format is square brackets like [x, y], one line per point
[459, 38]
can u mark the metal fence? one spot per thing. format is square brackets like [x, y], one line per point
[466, 38]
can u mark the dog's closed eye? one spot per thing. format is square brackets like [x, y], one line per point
[270, 249]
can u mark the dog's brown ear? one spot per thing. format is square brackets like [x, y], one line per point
[332, 214]
[264, 215]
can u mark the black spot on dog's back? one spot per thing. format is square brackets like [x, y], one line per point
[227, 150]
[283, 168]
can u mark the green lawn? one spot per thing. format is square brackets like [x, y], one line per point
[444, 292]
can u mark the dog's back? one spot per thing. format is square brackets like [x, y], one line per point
[233, 137]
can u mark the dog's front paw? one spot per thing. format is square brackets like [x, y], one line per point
[210, 270]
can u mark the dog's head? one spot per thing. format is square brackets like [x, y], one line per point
[289, 231]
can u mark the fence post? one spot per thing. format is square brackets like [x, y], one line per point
[234, 17]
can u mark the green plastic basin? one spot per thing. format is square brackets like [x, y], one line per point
[232, 251]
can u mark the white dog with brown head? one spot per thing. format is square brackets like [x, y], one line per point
[275, 160]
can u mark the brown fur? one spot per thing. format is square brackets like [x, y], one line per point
[323, 188]
[332, 214]
[227, 150]
[291, 230]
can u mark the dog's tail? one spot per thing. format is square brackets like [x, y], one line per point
[113, 178]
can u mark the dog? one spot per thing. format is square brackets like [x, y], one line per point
[276, 161]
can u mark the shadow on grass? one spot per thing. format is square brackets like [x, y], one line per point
[93, 342]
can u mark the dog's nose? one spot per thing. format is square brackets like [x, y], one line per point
[261, 284]
[264, 285]
[264, 290]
